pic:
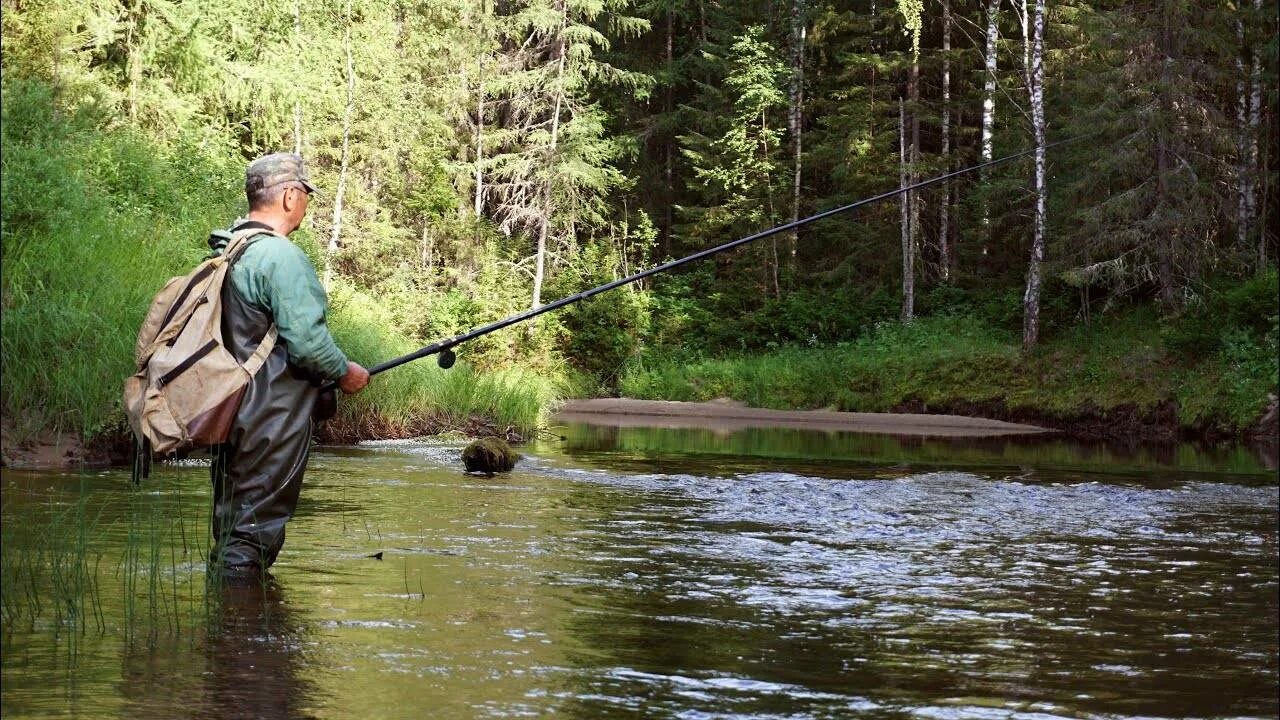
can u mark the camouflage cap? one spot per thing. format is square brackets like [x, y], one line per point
[274, 169]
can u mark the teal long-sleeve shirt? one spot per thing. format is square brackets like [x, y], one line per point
[276, 276]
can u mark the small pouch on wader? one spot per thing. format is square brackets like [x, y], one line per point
[326, 406]
[188, 386]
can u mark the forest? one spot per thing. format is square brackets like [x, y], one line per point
[480, 159]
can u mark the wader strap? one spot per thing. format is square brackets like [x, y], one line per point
[259, 355]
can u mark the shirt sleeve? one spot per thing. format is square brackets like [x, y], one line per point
[297, 301]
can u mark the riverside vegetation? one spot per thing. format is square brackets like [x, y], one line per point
[477, 159]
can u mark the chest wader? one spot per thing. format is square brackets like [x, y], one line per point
[257, 473]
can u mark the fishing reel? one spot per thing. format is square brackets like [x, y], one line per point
[446, 358]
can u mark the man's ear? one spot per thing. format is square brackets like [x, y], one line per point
[288, 199]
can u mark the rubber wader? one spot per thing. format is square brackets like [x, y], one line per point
[257, 473]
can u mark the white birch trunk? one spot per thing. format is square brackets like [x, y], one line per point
[944, 240]
[795, 117]
[1024, 19]
[908, 257]
[989, 100]
[478, 205]
[335, 232]
[1031, 300]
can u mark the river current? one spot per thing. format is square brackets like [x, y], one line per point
[667, 574]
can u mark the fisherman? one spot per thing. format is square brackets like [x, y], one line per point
[257, 473]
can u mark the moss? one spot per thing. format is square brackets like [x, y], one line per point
[489, 455]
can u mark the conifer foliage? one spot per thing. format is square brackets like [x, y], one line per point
[480, 157]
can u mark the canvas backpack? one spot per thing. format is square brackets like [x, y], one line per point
[188, 385]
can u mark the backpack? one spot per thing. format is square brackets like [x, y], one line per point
[188, 385]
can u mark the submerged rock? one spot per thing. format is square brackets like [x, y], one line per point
[489, 455]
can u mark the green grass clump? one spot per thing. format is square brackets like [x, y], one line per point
[96, 220]
[93, 224]
[407, 396]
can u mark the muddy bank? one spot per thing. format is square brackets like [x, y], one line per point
[1126, 424]
[49, 450]
[727, 416]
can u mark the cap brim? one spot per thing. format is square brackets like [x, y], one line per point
[311, 189]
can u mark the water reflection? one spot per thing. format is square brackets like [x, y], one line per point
[814, 449]
[671, 575]
[943, 593]
[249, 663]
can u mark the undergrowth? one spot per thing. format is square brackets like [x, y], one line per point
[950, 361]
[94, 222]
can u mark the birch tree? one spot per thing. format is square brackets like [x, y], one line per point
[989, 103]
[795, 114]
[1035, 77]
[944, 205]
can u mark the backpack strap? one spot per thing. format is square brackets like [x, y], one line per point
[259, 356]
[239, 243]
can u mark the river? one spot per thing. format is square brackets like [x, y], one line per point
[643, 572]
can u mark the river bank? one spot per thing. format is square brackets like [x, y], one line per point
[1118, 380]
[727, 416]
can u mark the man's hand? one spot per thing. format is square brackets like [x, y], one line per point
[355, 379]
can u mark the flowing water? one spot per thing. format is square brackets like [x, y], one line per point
[664, 573]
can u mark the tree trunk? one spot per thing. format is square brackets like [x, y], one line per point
[1165, 241]
[913, 165]
[1255, 126]
[1031, 299]
[989, 107]
[297, 101]
[771, 268]
[336, 231]
[428, 256]
[669, 171]
[908, 257]
[795, 117]
[540, 258]
[478, 202]
[134, 59]
[1024, 20]
[1242, 118]
[944, 242]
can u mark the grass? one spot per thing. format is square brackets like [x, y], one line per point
[952, 361]
[95, 221]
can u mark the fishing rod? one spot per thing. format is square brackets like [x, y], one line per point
[445, 347]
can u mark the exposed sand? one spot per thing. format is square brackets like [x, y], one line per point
[727, 416]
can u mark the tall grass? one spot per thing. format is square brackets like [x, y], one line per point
[92, 224]
[95, 221]
[420, 396]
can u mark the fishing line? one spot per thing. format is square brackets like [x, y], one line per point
[445, 347]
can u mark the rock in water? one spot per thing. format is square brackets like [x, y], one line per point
[489, 455]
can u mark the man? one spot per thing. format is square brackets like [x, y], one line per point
[257, 473]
